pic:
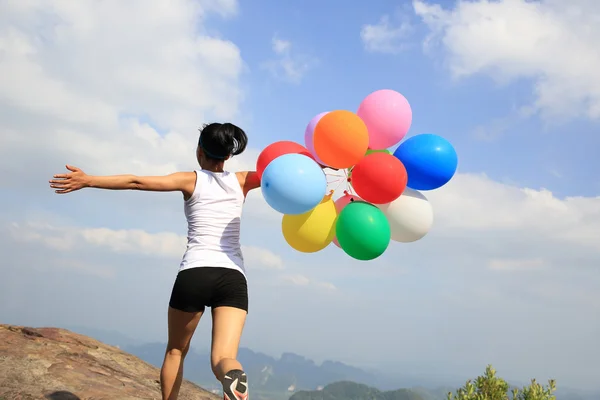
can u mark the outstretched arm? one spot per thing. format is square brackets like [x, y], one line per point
[184, 182]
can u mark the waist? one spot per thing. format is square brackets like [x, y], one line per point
[216, 256]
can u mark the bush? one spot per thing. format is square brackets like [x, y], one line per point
[490, 387]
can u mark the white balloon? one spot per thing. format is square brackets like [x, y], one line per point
[410, 216]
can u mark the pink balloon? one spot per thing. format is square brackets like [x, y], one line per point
[339, 206]
[308, 135]
[388, 117]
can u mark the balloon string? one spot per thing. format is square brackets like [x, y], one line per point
[349, 188]
[336, 177]
[340, 184]
[339, 180]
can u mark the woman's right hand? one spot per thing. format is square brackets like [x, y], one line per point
[69, 182]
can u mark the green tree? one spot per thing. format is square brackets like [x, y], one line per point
[491, 387]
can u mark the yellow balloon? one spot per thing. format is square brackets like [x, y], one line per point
[312, 231]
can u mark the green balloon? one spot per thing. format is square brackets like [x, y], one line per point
[369, 151]
[363, 231]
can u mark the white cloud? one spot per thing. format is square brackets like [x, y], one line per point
[386, 36]
[551, 42]
[226, 8]
[288, 64]
[257, 257]
[507, 264]
[475, 203]
[302, 280]
[281, 46]
[81, 84]
[126, 241]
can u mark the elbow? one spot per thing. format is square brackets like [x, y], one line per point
[135, 183]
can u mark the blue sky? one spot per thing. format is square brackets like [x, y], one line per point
[509, 269]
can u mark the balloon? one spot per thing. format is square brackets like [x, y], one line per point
[388, 117]
[340, 139]
[277, 149]
[312, 231]
[369, 151]
[339, 206]
[410, 216]
[308, 135]
[293, 184]
[363, 231]
[429, 159]
[379, 178]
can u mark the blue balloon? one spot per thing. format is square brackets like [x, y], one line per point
[293, 184]
[430, 161]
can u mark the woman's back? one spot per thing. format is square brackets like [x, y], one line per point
[213, 214]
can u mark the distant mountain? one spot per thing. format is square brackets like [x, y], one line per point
[438, 393]
[105, 336]
[290, 372]
[278, 378]
[355, 391]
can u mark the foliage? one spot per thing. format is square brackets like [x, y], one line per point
[491, 387]
[485, 387]
[355, 391]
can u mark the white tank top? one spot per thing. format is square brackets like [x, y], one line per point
[213, 215]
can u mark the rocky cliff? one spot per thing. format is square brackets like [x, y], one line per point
[56, 364]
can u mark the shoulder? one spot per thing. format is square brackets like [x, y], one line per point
[186, 182]
[248, 180]
[184, 177]
[185, 174]
[244, 176]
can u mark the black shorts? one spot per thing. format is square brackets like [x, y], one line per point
[200, 287]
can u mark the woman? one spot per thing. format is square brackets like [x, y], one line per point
[211, 273]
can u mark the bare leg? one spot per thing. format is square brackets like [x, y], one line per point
[228, 324]
[182, 326]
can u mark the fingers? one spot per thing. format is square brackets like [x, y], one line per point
[72, 168]
[61, 186]
[62, 176]
[58, 184]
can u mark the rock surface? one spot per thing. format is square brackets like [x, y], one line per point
[56, 364]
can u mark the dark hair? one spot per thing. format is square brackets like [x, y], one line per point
[222, 140]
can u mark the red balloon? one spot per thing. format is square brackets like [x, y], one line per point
[379, 178]
[277, 149]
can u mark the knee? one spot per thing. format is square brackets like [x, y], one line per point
[175, 351]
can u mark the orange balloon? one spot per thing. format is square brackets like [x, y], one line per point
[341, 139]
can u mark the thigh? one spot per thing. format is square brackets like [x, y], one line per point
[229, 310]
[182, 326]
[228, 324]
